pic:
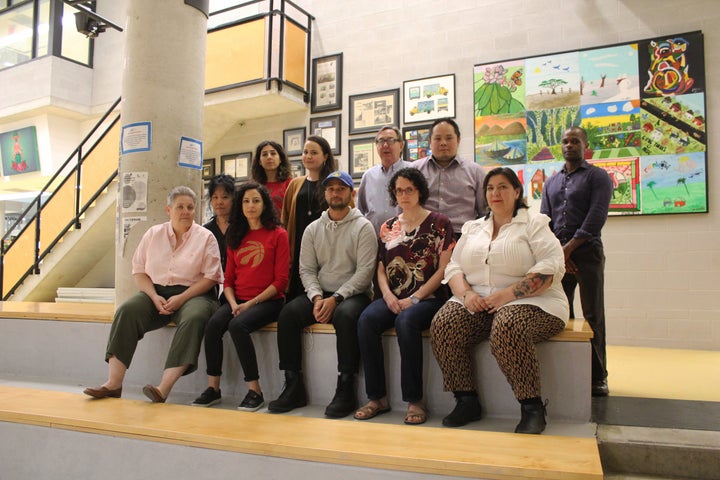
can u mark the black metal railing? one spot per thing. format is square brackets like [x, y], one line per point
[287, 11]
[75, 163]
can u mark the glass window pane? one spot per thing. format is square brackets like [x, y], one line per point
[16, 43]
[75, 46]
[43, 28]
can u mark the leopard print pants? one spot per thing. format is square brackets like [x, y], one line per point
[513, 331]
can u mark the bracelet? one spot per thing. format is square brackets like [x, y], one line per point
[469, 290]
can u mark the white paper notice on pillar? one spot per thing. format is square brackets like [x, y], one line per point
[136, 137]
[134, 192]
[191, 153]
[127, 224]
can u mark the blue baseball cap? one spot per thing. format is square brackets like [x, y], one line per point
[340, 175]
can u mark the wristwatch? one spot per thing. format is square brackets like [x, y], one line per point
[414, 299]
[338, 298]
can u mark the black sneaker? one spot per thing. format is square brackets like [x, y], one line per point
[253, 401]
[207, 398]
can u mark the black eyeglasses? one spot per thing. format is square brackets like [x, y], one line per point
[389, 141]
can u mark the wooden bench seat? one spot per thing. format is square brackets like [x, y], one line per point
[577, 330]
[370, 445]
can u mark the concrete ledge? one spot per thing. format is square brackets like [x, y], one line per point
[72, 352]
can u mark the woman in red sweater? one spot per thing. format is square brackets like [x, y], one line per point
[271, 168]
[256, 275]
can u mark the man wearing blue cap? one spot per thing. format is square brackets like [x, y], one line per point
[337, 260]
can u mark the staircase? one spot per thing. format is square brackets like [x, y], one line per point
[78, 252]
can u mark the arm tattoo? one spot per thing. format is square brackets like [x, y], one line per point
[530, 285]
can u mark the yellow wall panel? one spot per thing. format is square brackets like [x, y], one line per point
[235, 54]
[295, 51]
[100, 164]
[19, 258]
[56, 213]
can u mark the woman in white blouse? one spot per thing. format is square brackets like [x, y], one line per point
[505, 275]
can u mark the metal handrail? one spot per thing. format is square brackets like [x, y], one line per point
[38, 204]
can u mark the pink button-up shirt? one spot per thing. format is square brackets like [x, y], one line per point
[198, 257]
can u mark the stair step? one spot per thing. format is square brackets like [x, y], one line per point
[660, 452]
[85, 295]
[344, 443]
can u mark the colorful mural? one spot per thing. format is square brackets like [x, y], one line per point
[641, 103]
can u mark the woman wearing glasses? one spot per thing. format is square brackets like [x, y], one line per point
[413, 249]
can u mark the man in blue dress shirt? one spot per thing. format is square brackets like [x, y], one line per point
[577, 200]
[373, 198]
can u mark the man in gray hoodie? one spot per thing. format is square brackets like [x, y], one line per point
[338, 254]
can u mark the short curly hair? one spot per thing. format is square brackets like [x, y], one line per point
[415, 177]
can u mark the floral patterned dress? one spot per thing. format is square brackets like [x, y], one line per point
[411, 258]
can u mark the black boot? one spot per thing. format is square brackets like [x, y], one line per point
[292, 396]
[467, 409]
[532, 417]
[345, 400]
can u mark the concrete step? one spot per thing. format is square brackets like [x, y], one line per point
[659, 452]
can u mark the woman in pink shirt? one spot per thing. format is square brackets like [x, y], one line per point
[176, 265]
[258, 261]
[271, 168]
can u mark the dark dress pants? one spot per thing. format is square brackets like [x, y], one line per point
[590, 260]
[298, 314]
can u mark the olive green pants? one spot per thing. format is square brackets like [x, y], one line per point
[138, 315]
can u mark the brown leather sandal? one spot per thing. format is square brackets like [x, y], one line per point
[370, 410]
[416, 417]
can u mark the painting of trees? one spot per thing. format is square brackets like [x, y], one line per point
[552, 84]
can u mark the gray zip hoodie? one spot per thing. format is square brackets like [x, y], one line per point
[338, 257]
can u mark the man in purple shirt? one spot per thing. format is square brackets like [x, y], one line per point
[577, 200]
[455, 184]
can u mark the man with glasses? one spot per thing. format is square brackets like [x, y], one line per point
[373, 199]
[455, 184]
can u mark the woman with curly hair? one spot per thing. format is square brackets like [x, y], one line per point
[413, 249]
[256, 275]
[271, 168]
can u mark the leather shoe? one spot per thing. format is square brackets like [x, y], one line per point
[467, 409]
[103, 392]
[153, 394]
[600, 388]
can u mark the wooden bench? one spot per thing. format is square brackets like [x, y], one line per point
[39, 348]
[577, 330]
[103, 436]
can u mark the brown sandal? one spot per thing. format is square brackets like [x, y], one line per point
[370, 411]
[416, 417]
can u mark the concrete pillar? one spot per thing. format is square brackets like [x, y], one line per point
[164, 84]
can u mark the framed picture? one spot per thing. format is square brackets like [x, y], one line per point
[429, 99]
[417, 142]
[293, 140]
[329, 129]
[371, 111]
[208, 170]
[237, 165]
[363, 155]
[326, 83]
[297, 168]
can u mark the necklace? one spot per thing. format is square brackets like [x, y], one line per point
[309, 200]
